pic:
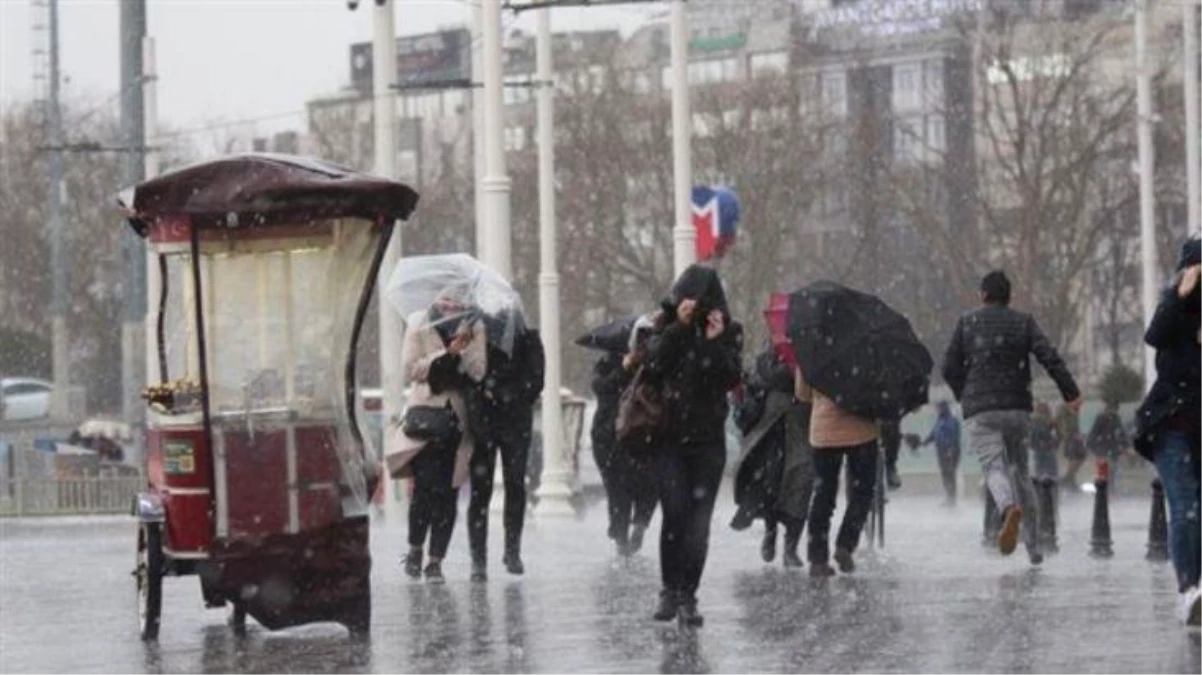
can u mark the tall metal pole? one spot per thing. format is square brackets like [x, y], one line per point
[58, 263]
[478, 141]
[154, 281]
[684, 247]
[555, 492]
[496, 181]
[133, 330]
[383, 54]
[1193, 145]
[1147, 198]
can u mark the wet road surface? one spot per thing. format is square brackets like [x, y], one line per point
[934, 600]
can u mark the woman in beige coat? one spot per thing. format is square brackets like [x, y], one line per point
[444, 348]
[835, 434]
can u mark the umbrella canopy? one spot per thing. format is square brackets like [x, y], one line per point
[857, 350]
[611, 337]
[463, 288]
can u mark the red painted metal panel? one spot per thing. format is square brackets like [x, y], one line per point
[256, 482]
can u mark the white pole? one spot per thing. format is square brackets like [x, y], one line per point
[1193, 146]
[482, 252]
[496, 182]
[384, 112]
[154, 281]
[1147, 199]
[684, 251]
[555, 492]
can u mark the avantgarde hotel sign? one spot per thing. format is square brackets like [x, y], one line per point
[892, 17]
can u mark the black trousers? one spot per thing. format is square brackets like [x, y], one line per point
[891, 444]
[689, 478]
[630, 486]
[949, 461]
[514, 449]
[861, 470]
[433, 508]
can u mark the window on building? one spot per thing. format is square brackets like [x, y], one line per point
[665, 78]
[936, 134]
[596, 79]
[907, 142]
[932, 74]
[642, 83]
[769, 63]
[730, 69]
[515, 138]
[834, 92]
[907, 81]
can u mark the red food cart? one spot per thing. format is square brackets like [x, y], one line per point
[259, 468]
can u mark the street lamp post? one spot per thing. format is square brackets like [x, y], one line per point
[1147, 199]
[496, 181]
[1193, 145]
[684, 250]
[555, 493]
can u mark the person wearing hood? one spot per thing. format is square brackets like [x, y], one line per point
[775, 476]
[945, 434]
[630, 491]
[692, 356]
[1167, 423]
[443, 354]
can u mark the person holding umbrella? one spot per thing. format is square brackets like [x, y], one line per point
[988, 368]
[858, 363]
[629, 482]
[693, 358]
[1168, 424]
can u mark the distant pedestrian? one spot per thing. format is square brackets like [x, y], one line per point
[1108, 439]
[1168, 424]
[945, 434]
[988, 368]
[1045, 443]
[1068, 427]
[774, 480]
[693, 358]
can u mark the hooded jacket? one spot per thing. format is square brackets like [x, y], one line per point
[694, 372]
[1173, 402]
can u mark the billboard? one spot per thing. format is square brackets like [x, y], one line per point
[420, 59]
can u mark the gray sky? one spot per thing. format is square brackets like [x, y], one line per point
[223, 60]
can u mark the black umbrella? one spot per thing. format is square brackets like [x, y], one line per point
[611, 337]
[857, 350]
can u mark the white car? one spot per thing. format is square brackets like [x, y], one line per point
[24, 398]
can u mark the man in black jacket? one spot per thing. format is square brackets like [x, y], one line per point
[988, 368]
[501, 411]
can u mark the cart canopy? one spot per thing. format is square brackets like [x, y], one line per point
[258, 190]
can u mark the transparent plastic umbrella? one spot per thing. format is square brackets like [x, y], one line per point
[461, 287]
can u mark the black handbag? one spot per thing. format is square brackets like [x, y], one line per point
[642, 423]
[428, 423]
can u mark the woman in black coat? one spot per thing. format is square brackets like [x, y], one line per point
[630, 489]
[775, 476]
[692, 356]
[1168, 421]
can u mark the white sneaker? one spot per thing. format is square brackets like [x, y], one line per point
[1195, 608]
[1185, 603]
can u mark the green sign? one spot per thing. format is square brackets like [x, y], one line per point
[718, 44]
[179, 457]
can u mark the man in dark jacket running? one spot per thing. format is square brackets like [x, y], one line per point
[989, 370]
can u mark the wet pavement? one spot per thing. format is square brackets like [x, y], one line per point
[933, 600]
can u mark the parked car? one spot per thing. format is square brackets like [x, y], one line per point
[24, 398]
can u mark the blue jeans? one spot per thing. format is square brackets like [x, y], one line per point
[1179, 473]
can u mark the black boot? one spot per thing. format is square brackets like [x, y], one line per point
[413, 564]
[513, 563]
[636, 539]
[479, 570]
[669, 605]
[790, 557]
[688, 613]
[768, 547]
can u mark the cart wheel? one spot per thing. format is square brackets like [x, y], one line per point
[149, 575]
